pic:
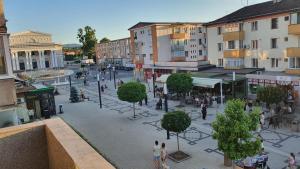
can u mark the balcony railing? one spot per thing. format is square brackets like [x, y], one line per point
[293, 52]
[230, 36]
[294, 29]
[239, 53]
[178, 36]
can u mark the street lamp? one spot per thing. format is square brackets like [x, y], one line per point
[153, 76]
[114, 70]
[99, 90]
[233, 82]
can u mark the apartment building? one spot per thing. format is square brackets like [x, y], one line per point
[264, 35]
[168, 46]
[114, 52]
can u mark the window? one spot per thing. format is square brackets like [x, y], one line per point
[185, 42]
[295, 18]
[241, 26]
[200, 30]
[186, 53]
[135, 35]
[200, 52]
[294, 63]
[254, 44]
[274, 62]
[274, 43]
[204, 40]
[220, 62]
[254, 26]
[151, 56]
[231, 45]
[286, 39]
[286, 18]
[241, 44]
[220, 47]
[254, 62]
[219, 30]
[200, 41]
[274, 23]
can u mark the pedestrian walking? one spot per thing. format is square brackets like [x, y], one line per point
[141, 102]
[262, 120]
[291, 161]
[146, 100]
[204, 112]
[102, 88]
[156, 155]
[164, 156]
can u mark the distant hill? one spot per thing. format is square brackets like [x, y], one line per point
[72, 45]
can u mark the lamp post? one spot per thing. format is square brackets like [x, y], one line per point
[153, 76]
[233, 82]
[70, 81]
[99, 90]
[110, 72]
[114, 71]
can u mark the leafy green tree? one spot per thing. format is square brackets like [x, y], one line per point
[132, 92]
[234, 132]
[271, 94]
[104, 40]
[177, 121]
[181, 83]
[87, 36]
[74, 98]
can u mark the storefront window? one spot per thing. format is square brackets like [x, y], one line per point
[294, 63]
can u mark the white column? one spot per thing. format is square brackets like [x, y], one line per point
[43, 59]
[17, 61]
[30, 60]
[52, 59]
[13, 61]
[55, 59]
[27, 61]
[40, 60]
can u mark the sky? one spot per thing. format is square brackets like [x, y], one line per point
[110, 18]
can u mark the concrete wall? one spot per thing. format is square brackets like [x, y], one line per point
[58, 157]
[7, 92]
[25, 150]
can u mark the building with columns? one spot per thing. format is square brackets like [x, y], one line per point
[31, 50]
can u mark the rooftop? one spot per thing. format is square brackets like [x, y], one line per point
[143, 24]
[259, 10]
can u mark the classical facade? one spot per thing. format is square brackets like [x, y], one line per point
[32, 50]
[113, 51]
[264, 35]
[168, 46]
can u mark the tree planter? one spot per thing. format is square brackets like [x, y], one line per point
[227, 161]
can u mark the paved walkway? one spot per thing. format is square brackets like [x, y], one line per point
[128, 142]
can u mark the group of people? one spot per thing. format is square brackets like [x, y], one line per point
[160, 156]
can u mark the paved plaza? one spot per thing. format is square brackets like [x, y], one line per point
[128, 142]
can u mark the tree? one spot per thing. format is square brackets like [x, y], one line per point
[74, 98]
[87, 36]
[104, 40]
[271, 94]
[181, 83]
[132, 92]
[177, 122]
[234, 132]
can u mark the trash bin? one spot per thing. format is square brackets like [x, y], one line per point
[295, 126]
[61, 111]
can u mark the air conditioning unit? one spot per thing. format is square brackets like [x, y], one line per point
[20, 100]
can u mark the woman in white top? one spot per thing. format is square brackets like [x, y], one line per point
[164, 156]
[156, 155]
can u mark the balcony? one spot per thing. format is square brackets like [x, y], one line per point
[240, 53]
[229, 36]
[178, 36]
[178, 59]
[294, 29]
[293, 71]
[293, 52]
[49, 144]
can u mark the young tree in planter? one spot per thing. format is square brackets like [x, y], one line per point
[74, 98]
[234, 132]
[132, 92]
[271, 94]
[177, 122]
[181, 83]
